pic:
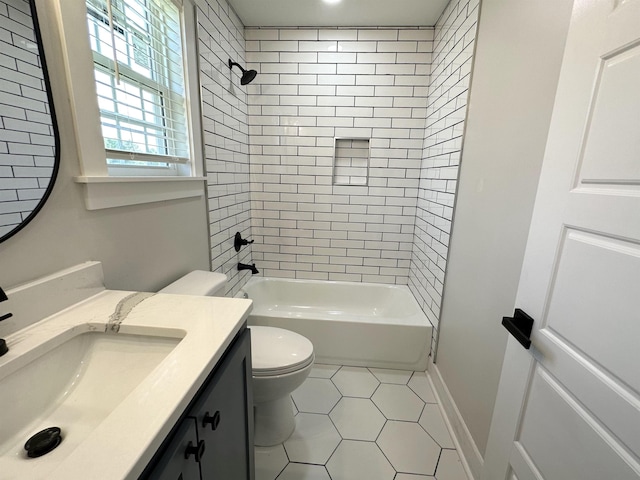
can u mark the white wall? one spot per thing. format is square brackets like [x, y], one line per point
[142, 247]
[314, 85]
[226, 137]
[454, 43]
[519, 51]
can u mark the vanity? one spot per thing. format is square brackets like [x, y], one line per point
[213, 439]
[141, 385]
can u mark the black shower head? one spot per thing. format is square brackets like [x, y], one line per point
[247, 75]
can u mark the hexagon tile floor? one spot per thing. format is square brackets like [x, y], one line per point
[364, 424]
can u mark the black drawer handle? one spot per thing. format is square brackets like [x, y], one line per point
[520, 327]
[192, 449]
[213, 421]
[4, 317]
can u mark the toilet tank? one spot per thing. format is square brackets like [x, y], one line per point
[198, 282]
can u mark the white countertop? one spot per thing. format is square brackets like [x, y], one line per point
[123, 443]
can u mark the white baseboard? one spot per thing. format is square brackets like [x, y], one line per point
[470, 455]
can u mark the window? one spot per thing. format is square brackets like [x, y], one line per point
[140, 83]
[131, 68]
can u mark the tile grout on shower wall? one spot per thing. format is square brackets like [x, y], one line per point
[403, 88]
[315, 85]
[226, 137]
[454, 41]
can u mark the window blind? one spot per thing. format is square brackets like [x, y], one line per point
[140, 81]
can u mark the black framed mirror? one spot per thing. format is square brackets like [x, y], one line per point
[29, 138]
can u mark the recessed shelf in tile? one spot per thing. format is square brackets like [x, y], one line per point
[351, 161]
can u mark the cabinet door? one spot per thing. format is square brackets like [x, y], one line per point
[180, 458]
[224, 416]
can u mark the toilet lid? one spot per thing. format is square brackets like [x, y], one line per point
[276, 351]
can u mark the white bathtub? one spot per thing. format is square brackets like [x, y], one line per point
[359, 324]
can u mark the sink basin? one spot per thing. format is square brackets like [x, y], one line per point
[72, 381]
[113, 370]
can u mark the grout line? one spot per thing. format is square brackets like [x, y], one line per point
[437, 463]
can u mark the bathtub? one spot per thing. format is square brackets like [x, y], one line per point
[358, 324]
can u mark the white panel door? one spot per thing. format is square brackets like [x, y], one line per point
[569, 408]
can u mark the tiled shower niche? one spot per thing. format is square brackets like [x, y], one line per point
[351, 161]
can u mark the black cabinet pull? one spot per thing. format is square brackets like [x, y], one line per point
[520, 326]
[197, 450]
[213, 421]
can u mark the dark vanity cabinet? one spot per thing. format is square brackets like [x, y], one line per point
[214, 438]
[178, 460]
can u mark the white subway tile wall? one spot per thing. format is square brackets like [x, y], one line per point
[226, 137]
[454, 40]
[315, 85]
[26, 131]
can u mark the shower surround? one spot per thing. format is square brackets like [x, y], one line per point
[405, 89]
[315, 85]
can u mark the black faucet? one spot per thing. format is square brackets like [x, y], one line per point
[242, 266]
[239, 242]
[3, 345]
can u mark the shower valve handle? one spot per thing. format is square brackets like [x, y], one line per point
[238, 242]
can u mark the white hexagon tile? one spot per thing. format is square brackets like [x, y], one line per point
[323, 371]
[316, 395]
[410, 476]
[357, 419]
[409, 448]
[356, 423]
[355, 382]
[398, 402]
[398, 377]
[270, 461]
[314, 439]
[298, 471]
[354, 459]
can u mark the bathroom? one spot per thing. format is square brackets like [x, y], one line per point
[267, 180]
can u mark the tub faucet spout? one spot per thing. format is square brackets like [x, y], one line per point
[242, 266]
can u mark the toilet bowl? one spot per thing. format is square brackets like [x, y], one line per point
[281, 361]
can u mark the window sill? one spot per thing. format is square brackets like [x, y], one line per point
[110, 192]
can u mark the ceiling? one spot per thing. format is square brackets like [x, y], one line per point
[339, 13]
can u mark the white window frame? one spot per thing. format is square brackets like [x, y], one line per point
[103, 190]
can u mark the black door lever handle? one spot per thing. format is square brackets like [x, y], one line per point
[520, 326]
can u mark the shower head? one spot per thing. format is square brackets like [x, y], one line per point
[247, 75]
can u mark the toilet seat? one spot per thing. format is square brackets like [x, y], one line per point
[275, 351]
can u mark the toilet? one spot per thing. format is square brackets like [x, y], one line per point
[281, 361]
